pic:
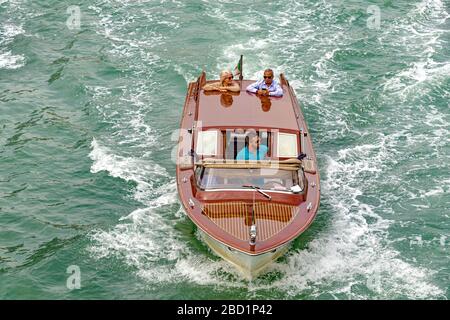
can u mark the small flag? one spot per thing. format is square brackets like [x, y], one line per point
[238, 69]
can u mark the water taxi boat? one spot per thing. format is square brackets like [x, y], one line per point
[248, 212]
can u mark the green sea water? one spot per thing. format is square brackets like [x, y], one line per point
[88, 119]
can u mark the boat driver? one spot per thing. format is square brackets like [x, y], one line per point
[255, 150]
[267, 87]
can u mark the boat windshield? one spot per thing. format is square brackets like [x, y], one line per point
[226, 178]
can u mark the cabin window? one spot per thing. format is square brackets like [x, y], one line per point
[207, 143]
[225, 178]
[287, 145]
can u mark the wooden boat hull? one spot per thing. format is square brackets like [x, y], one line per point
[225, 215]
[250, 266]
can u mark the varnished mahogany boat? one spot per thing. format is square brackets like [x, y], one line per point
[248, 212]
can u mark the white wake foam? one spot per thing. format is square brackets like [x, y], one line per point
[352, 253]
[8, 60]
[147, 175]
[420, 34]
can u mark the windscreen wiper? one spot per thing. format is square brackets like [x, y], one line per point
[258, 189]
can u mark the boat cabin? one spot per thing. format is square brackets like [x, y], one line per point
[222, 132]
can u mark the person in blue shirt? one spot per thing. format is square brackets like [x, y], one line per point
[254, 151]
[266, 87]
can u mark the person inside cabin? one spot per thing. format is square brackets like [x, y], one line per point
[253, 150]
[266, 87]
[225, 84]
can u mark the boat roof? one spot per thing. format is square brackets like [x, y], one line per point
[243, 109]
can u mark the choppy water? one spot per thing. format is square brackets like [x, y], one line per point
[86, 131]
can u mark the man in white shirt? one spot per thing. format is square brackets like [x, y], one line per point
[266, 87]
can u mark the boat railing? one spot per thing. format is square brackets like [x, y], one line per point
[201, 81]
[283, 80]
[294, 103]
